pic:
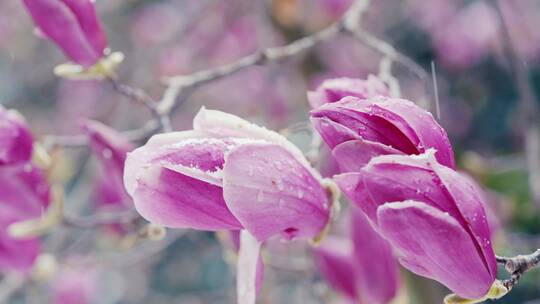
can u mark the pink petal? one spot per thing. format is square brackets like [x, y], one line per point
[377, 271]
[172, 199]
[425, 128]
[16, 142]
[17, 255]
[235, 240]
[178, 184]
[60, 24]
[423, 179]
[352, 155]
[332, 132]
[435, 241]
[397, 123]
[333, 90]
[248, 268]
[108, 145]
[86, 15]
[270, 192]
[356, 115]
[335, 263]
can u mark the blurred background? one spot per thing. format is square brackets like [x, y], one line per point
[487, 60]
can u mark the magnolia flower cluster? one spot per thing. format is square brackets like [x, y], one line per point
[398, 169]
[229, 174]
[24, 193]
[396, 166]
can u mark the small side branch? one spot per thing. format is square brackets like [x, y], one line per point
[517, 266]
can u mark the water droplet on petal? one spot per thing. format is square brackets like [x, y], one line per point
[300, 194]
[260, 196]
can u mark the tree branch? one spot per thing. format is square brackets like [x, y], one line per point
[517, 266]
[179, 87]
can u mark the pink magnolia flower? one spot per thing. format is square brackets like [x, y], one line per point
[433, 217]
[74, 285]
[228, 174]
[24, 193]
[361, 267]
[333, 90]
[468, 37]
[111, 149]
[72, 25]
[15, 139]
[358, 129]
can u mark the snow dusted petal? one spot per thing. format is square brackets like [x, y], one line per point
[471, 204]
[60, 23]
[333, 90]
[428, 239]
[335, 263]
[352, 155]
[421, 178]
[15, 139]
[376, 268]
[270, 192]
[429, 133]
[248, 271]
[179, 184]
[214, 123]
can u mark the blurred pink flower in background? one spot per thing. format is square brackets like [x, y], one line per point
[24, 192]
[469, 37]
[16, 142]
[523, 21]
[111, 148]
[360, 266]
[76, 100]
[74, 284]
[73, 26]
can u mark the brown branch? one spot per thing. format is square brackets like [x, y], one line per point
[81, 140]
[517, 266]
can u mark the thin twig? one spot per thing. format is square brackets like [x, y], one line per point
[179, 87]
[99, 219]
[388, 50]
[517, 266]
[81, 140]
